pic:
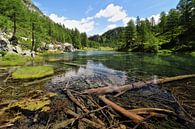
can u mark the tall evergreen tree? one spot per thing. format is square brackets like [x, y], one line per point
[76, 39]
[186, 7]
[130, 35]
[163, 21]
[172, 21]
[84, 41]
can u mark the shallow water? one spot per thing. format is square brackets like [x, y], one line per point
[102, 68]
[118, 68]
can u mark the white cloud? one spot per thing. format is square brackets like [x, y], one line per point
[89, 9]
[83, 25]
[127, 19]
[156, 18]
[114, 13]
[111, 26]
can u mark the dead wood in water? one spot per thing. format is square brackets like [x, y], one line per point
[91, 123]
[75, 65]
[111, 89]
[73, 99]
[136, 118]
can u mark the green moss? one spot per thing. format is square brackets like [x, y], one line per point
[48, 53]
[35, 101]
[12, 60]
[36, 59]
[33, 72]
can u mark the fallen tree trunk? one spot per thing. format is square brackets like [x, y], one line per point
[136, 118]
[111, 89]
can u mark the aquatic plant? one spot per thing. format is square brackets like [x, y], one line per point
[33, 72]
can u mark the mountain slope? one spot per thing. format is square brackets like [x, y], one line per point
[25, 13]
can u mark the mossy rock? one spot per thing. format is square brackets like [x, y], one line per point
[33, 72]
[12, 60]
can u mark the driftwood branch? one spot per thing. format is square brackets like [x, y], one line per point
[111, 89]
[91, 123]
[136, 118]
[73, 99]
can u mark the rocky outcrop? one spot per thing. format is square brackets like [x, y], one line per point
[5, 45]
[66, 47]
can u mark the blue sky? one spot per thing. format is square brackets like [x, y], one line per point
[98, 16]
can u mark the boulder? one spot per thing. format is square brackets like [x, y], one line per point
[50, 47]
[28, 53]
[3, 45]
[2, 37]
[67, 47]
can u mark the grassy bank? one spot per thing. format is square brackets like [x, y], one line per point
[96, 49]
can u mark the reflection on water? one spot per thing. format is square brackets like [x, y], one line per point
[105, 67]
[93, 70]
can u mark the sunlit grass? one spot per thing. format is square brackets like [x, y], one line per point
[12, 60]
[33, 72]
[96, 49]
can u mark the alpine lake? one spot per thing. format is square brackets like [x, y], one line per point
[83, 70]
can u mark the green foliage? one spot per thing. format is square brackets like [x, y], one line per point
[33, 72]
[45, 30]
[175, 31]
[3, 53]
[129, 36]
[84, 40]
[12, 60]
[163, 22]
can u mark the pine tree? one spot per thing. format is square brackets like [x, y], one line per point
[76, 39]
[130, 35]
[163, 22]
[84, 41]
[186, 7]
[172, 21]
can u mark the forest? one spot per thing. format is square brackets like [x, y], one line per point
[173, 32]
[138, 76]
[24, 13]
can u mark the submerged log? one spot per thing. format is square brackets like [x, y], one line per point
[111, 89]
[75, 64]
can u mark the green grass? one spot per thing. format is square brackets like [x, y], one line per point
[95, 49]
[48, 53]
[12, 60]
[164, 52]
[33, 72]
[106, 49]
[36, 59]
[192, 53]
[3, 53]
